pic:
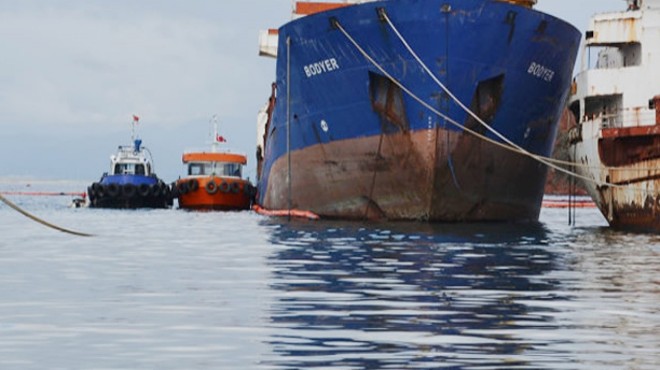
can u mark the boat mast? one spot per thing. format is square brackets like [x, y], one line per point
[135, 121]
[214, 140]
[136, 142]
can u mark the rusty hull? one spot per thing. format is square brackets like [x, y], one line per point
[633, 160]
[433, 175]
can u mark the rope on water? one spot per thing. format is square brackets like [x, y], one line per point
[37, 219]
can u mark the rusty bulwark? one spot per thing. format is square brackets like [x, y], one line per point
[633, 157]
[628, 146]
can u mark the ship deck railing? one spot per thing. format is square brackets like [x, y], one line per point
[626, 118]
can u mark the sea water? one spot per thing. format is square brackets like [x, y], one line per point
[172, 289]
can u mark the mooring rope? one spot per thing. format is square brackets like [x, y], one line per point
[39, 220]
[509, 144]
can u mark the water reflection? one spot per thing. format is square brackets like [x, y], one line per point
[397, 296]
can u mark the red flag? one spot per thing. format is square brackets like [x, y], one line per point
[136, 118]
[220, 139]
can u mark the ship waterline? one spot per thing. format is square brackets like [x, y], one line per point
[434, 175]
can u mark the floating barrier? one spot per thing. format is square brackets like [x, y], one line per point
[285, 213]
[567, 204]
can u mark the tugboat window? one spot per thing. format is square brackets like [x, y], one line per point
[139, 169]
[232, 169]
[196, 169]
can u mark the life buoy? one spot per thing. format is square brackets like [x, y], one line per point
[143, 190]
[193, 185]
[211, 187]
[235, 187]
[113, 190]
[224, 186]
[128, 190]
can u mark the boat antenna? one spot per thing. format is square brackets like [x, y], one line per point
[217, 139]
[134, 123]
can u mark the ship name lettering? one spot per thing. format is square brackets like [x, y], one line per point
[320, 67]
[541, 71]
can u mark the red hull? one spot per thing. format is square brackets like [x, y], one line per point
[225, 194]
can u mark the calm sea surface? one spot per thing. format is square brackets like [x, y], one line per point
[170, 289]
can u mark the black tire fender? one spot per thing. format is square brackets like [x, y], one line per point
[143, 190]
[235, 187]
[224, 187]
[193, 185]
[129, 190]
[113, 190]
[211, 187]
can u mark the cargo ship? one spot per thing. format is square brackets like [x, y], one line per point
[616, 102]
[431, 110]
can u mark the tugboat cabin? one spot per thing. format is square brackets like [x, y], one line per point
[215, 164]
[129, 160]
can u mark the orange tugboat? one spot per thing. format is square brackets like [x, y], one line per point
[214, 180]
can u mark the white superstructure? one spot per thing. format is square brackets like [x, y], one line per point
[615, 103]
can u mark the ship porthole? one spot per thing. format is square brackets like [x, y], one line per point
[324, 125]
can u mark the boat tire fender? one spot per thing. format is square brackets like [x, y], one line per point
[154, 190]
[193, 185]
[173, 190]
[101, 191]
[182, 187]
[143, 190]
[129, 190]
[224, 187]
[211, 187]
[164, 190]
[113, 190]
[235, 187]
[96, 187]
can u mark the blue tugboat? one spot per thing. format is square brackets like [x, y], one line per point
[430, 110]
[131, 182]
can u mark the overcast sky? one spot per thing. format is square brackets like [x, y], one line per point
[73, 72]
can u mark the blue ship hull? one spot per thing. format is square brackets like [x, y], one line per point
[356, 146]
